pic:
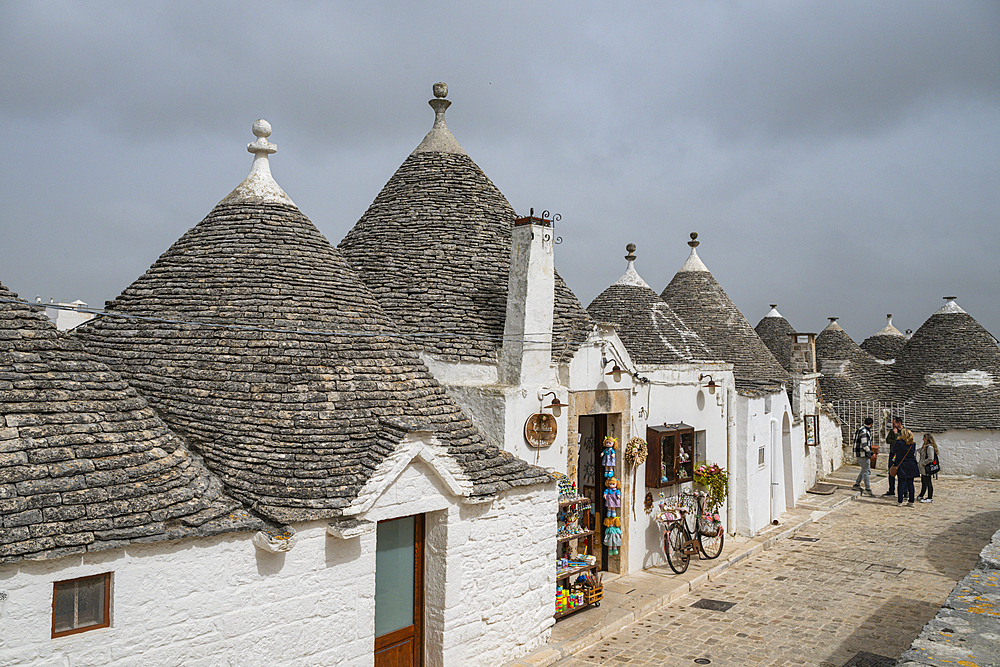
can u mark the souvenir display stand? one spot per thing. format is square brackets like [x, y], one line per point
[577, 583]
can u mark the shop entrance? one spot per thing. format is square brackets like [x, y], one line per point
[399, 592]
[590, 477]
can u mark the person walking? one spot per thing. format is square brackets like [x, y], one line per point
[928, 453]
[863, 450]
[904, 457]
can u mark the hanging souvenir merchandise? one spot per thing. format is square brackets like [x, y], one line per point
[635, 455]
[612, 499]
[635, 452]
[608, 457]
[612, 495]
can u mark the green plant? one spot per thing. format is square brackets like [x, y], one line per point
[716, 480]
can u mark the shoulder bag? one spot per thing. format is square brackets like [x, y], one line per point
[933, 467]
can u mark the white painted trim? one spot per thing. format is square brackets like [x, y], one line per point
[416, 445]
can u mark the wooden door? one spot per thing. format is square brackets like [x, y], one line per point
[399, 594]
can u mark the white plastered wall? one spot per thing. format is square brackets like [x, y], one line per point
[489, 568]
[760, 423]
[967, 452]
[674, 394]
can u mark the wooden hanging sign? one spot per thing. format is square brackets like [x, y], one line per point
[540, 430]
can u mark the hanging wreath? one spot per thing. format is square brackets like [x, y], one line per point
[636, 452]
[635, 455]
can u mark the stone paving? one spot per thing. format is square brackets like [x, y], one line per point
[875, 576]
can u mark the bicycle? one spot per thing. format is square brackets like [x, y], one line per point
[678, 542]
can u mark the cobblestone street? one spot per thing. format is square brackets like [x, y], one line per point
[874, 576]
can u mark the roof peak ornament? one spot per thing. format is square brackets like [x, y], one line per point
[694, 262]
[631, 276]
[949, 306]
[262, 130]
[259, 186]
[833, 324]
[440, 139]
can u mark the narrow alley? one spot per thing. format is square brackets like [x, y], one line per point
[864, 578]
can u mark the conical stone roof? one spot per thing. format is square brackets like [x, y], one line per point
[702, 304]
[885, 344]
[950, 370]
[434, 248]
[85, 463]
[848, 372]
[253, 338]
[652, 332]
[776, 332]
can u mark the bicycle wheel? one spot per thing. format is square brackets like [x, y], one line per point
[673, 547]
[711, 544]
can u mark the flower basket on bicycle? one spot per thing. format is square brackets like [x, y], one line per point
[681, 539]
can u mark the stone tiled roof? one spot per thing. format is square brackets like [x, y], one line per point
[703, 305]
[950, 369]
[651, 331]
[885, 344]
[85, 463]
[776, 332]
[434, 248]
[848, 372]
[936, 409]
[280, 367]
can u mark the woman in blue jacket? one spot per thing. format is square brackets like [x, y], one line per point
[904, 456]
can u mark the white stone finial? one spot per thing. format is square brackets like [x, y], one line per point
[440, 139]
[262, 130]
[774, 311]
[950, 306]
[259, 186]
[693, 262]
[631, 277]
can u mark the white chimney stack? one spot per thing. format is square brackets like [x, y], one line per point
[525, 358]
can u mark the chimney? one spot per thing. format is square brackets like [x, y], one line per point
[803, 374]
[803, 353]
[525, 357]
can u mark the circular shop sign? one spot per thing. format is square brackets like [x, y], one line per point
[540, 430]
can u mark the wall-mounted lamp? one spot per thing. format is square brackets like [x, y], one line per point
[711, 383]
[556, 405]
[615, 372]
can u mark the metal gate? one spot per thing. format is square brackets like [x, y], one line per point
[852, 416]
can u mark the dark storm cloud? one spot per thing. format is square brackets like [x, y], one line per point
[806, 142]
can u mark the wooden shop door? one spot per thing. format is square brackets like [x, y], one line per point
[399, 592]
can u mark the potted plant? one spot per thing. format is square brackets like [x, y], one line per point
[715, 480]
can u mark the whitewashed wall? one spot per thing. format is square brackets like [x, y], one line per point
[490, 582]
[675, 394]
[967, 452]
[757, 426]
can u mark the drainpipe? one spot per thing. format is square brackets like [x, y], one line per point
[730, 439]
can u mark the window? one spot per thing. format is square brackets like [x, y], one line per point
[760, 456]
[81, 604]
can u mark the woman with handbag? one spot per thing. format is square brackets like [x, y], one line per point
[927, 462]
[903, 464]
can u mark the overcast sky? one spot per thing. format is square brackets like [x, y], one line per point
[836, 158]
